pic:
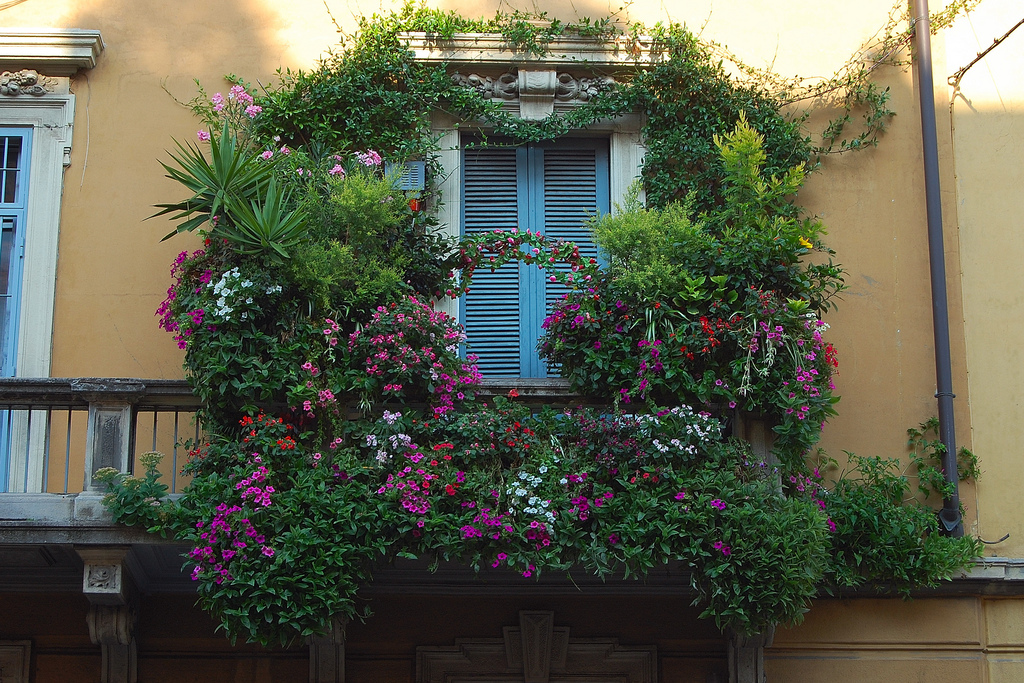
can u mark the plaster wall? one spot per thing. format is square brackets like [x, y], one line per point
[988, 134]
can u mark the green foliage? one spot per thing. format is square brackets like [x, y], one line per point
[233, 176]
[885, 537]
[307, 302]
[138, 501]
[264, 226]
[710, 309]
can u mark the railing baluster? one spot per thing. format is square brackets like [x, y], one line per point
[109, 437]
[46, 451]
[174, 457]
[67, 452]
[28, 451]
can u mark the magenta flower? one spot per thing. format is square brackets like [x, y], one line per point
[203, 136]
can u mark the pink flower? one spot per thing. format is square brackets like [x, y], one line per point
[267, 155]
[203, 136]
[268, 551]
[369, 158]
[252, 110]
[337, 170]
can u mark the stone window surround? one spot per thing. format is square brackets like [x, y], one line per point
[533, 96]
[47, 57]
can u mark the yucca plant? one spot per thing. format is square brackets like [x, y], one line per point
[233, 174]
[264, 225]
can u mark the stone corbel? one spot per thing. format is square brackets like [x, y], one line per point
[536, 94]
[327, 654]
[112, 613]
[746, 656]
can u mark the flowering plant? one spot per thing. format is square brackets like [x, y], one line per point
[718, 311]
[316, 303]
[406, 352]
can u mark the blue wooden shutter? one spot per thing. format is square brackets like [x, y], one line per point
[575, 188]
[547, 187]
[492, 201]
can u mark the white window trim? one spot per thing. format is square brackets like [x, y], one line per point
[51, 118]
[57, 53]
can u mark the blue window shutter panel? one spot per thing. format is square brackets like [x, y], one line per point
[575, 189]
[492, 201]
[552, 188]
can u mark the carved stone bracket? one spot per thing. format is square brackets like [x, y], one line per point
[112, 614]
[536, 90]
[26, 82]
[327, 654]
[746, 656]
[538, 652]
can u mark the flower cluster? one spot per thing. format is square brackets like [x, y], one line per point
[410, 350]
[560, 260]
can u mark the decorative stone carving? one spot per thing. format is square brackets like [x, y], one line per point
[112, 614]
[25, 82]
[112, 627]
[513, 84]
[570, 89]
[536, 651]
[504, 87]
[103, 578]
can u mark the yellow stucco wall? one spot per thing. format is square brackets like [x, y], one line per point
[988, 131]
[880, 641]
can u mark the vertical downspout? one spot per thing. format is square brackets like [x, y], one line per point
[950, 513]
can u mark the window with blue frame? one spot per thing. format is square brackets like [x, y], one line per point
[551, 187]
[15, 146]
[14, 155]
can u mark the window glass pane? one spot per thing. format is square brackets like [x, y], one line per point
[10, 164]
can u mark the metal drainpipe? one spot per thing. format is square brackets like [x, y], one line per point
[950, 513]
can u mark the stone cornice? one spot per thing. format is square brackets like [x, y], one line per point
[53, 51]
[482, 49]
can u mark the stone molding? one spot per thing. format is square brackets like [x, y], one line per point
[537, 91]
[492, 49]
[56, 51]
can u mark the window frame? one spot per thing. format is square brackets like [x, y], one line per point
[525, 184]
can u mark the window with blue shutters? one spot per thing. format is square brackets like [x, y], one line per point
[14, 156]
[550, 187]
